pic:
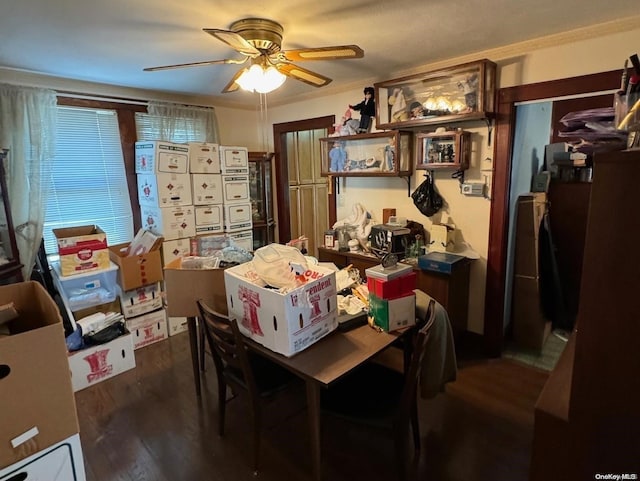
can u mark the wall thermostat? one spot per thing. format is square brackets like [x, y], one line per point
[472, 188]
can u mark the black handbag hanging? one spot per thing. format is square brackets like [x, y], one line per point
[426, 198]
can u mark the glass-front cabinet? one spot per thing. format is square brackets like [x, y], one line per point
[378, 154]
[10, 267]
[261, 194]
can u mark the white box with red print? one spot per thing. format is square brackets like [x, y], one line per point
[285, 323]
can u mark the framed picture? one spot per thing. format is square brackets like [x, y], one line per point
[377, 154]
[443, 150]
[464, 92]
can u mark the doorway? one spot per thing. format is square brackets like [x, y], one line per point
[508, 98]
[306, 204]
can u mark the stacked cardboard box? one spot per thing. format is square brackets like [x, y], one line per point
[392, 300]
[86, 281]
[140, 283]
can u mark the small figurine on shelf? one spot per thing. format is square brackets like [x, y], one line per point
[390, 154]
[338, 157]
[417, 110]
[469, 87]
[346, 126]
[367, 109]
[398, 111]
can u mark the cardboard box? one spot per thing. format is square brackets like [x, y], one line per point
[148, 328]
[530, 327]
[439, 262]
[136, 271]
[235, 189]
[59, 462]
[176, 325]
[242, 239]
[164, 190]
[285, 323]
[207, 189]
[529, 212]
[82, 249]
[169, 222]
[234, 160]
[155, 156]
[98, 363]
[237, 217]
[37, 406]
[397, 287]
[204, 158]
[209, 219]
[175, 249]
[393, 314]
[183, 287]
[141, 300]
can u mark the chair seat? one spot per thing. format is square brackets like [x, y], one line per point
[270, 377]
[371, 394]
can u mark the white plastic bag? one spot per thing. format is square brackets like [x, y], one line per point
[278, 265]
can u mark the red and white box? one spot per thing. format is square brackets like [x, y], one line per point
[207, 189]
[397, 287]
[82, 249]
[97, 363]
[169, 222]
[164, 190]
[155, 156]
[204, 158]
[285, 323]
[148, 328]
[141, 300]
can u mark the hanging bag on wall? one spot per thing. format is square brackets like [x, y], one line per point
[426, 198]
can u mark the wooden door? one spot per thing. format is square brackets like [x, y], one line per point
[305, 206]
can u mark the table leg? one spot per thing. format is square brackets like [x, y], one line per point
[193, 344]
[313, 408]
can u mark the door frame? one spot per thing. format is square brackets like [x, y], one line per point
[499, 214]
[282, 169]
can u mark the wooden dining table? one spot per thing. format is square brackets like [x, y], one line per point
[323, 363]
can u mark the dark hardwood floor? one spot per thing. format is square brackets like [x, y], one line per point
[148, 424]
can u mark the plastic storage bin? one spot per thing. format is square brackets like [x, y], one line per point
[82, 291]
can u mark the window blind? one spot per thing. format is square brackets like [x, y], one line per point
[88, 181]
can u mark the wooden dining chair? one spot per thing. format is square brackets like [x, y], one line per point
[241, 370]
[384, 398]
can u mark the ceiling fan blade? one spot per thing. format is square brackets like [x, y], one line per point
[324, 53]
[196, 64]
[304, 75]
[232, 86]
[234, 40]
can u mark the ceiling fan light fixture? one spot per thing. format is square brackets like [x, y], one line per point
[261, 80]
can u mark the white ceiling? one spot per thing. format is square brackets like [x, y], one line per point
[110, 42]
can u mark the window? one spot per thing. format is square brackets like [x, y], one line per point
[152, 127]
[88, 181]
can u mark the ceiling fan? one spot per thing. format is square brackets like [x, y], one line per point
[259, 40]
